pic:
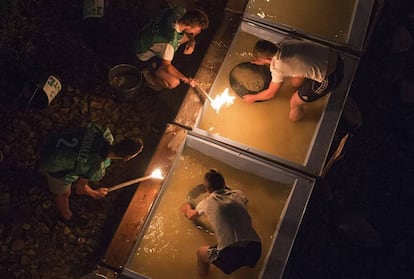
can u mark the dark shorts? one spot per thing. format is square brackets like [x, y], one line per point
[232, 258]
[312, 90]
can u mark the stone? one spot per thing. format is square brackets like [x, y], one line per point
[18, 245]
[25, 260]
[60, 224]
[76, 100]
[97, 105]
[45, 229]
[46, 204]
[4, 248]
[39, 210]
[31, 252]
[26, 227]
[81, 240]
[84, 107]
[67, 230]
[4, 203]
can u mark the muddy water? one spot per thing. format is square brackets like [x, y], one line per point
[264, 126]
[168, 248]
[331, 19]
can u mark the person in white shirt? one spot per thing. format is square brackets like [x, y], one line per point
[315, 70]
[237, 241]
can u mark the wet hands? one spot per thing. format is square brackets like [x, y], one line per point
[249, 98]
[185, 207]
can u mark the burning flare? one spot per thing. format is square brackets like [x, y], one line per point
[157, 174]
[222, 99]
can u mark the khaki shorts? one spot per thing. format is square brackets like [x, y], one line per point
[56, 185]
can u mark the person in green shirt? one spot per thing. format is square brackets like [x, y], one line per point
[79, 156]
[159, 40]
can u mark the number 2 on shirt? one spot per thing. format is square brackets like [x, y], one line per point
[67, 143]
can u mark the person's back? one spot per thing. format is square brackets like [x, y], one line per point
[238, 244]
[228, 215]
[299, 58]
[161, 31]
[76, 153]
[79, 157]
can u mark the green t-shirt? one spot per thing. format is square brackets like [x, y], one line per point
[161, 30]
[76, 153]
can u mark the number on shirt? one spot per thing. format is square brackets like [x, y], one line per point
[67, 143]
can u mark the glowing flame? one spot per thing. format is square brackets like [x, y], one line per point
[157, 174]
[222, 99]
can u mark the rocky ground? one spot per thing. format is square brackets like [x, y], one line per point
[362, 229]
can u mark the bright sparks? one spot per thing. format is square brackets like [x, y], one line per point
[222, 99]
[157, 174]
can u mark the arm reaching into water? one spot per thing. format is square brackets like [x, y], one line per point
[189, 212]
[266, 94]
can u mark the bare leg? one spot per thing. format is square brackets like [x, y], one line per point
[297, 81]
[296, 107]
[62, 203]
[165, 79]
[203, 264]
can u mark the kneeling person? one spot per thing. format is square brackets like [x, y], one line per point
[237, 242]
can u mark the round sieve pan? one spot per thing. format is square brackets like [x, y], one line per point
[247, 78]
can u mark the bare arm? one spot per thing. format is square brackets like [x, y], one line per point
[266, 94]
[82, 188]
[172, 70]
[189, 212]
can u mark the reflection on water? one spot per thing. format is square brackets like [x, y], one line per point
[330, 19]
[168, 248]
[264, 126]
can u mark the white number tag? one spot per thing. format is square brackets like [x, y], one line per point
[52, 87]
[93, 8]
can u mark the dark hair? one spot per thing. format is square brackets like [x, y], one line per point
[215, 180]
[195, 18]
[265, 49]
[126, 148]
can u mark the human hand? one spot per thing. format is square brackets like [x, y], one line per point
[100, 193]
[249, 98]
[185, 207]
[189, 47]
[191, 82]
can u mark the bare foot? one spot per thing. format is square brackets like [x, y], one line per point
[66, 214]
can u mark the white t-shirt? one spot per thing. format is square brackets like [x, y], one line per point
[300, 59]
[227, 212]
[163, 50]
